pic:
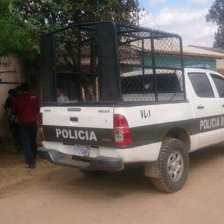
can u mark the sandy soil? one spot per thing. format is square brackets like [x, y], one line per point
[52, 194]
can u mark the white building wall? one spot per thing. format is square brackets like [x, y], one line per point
[10, 71]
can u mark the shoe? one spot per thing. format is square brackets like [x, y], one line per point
[32, 166]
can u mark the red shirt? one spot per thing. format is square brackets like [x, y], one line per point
[26, 107]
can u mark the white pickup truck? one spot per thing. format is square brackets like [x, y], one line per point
[159, 134]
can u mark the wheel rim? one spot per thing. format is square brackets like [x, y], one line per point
[175, 165]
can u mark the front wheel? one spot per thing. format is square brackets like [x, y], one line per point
[173, 165]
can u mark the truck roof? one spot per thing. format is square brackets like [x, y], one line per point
[201, 70]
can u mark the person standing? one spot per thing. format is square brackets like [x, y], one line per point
[12, 119]
[7, 108]
[27, 107]
[61, 98]
[9, 100]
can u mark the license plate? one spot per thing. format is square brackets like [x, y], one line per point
[80, 150]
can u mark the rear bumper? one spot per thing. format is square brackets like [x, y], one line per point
[98, 163]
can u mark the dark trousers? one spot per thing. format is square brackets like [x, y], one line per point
[15, 133]
[27, 134]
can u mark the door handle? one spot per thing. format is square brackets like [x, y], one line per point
[200, 107]
[223, 105]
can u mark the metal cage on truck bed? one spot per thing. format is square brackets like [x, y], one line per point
[109, 62]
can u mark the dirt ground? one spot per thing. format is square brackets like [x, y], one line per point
[53, 194]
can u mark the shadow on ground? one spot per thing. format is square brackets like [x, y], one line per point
[71, 182]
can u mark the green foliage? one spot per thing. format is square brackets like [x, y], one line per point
[22, 22]
[51, 14]
[15, 35]
[219, 39]
[216, 15]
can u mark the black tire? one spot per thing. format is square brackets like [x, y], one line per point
[94, 173]
[173, 177]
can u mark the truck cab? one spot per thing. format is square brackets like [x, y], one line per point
[205, 93]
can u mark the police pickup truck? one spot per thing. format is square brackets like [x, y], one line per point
[135, 109]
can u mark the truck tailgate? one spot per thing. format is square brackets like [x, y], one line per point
[79, 125]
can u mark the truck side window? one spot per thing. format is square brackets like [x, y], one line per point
[201, 85]
[219, 83]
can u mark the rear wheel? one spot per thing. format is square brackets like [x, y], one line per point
[173, 165]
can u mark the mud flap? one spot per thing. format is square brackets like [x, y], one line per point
[152, 170]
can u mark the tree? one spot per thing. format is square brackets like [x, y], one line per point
[49, 14]
[15, 35]
[219, 39]
[24, 21]
[216, 15]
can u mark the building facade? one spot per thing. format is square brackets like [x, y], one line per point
[11, 75]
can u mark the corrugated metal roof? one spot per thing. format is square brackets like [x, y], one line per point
[174, 49]
[196, 51]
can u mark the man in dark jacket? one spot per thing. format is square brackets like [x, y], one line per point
[9, 100]
[8, 106]
[12, 119]
[27, 106]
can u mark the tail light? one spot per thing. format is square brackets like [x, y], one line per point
[40, 126]
[121, 131]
